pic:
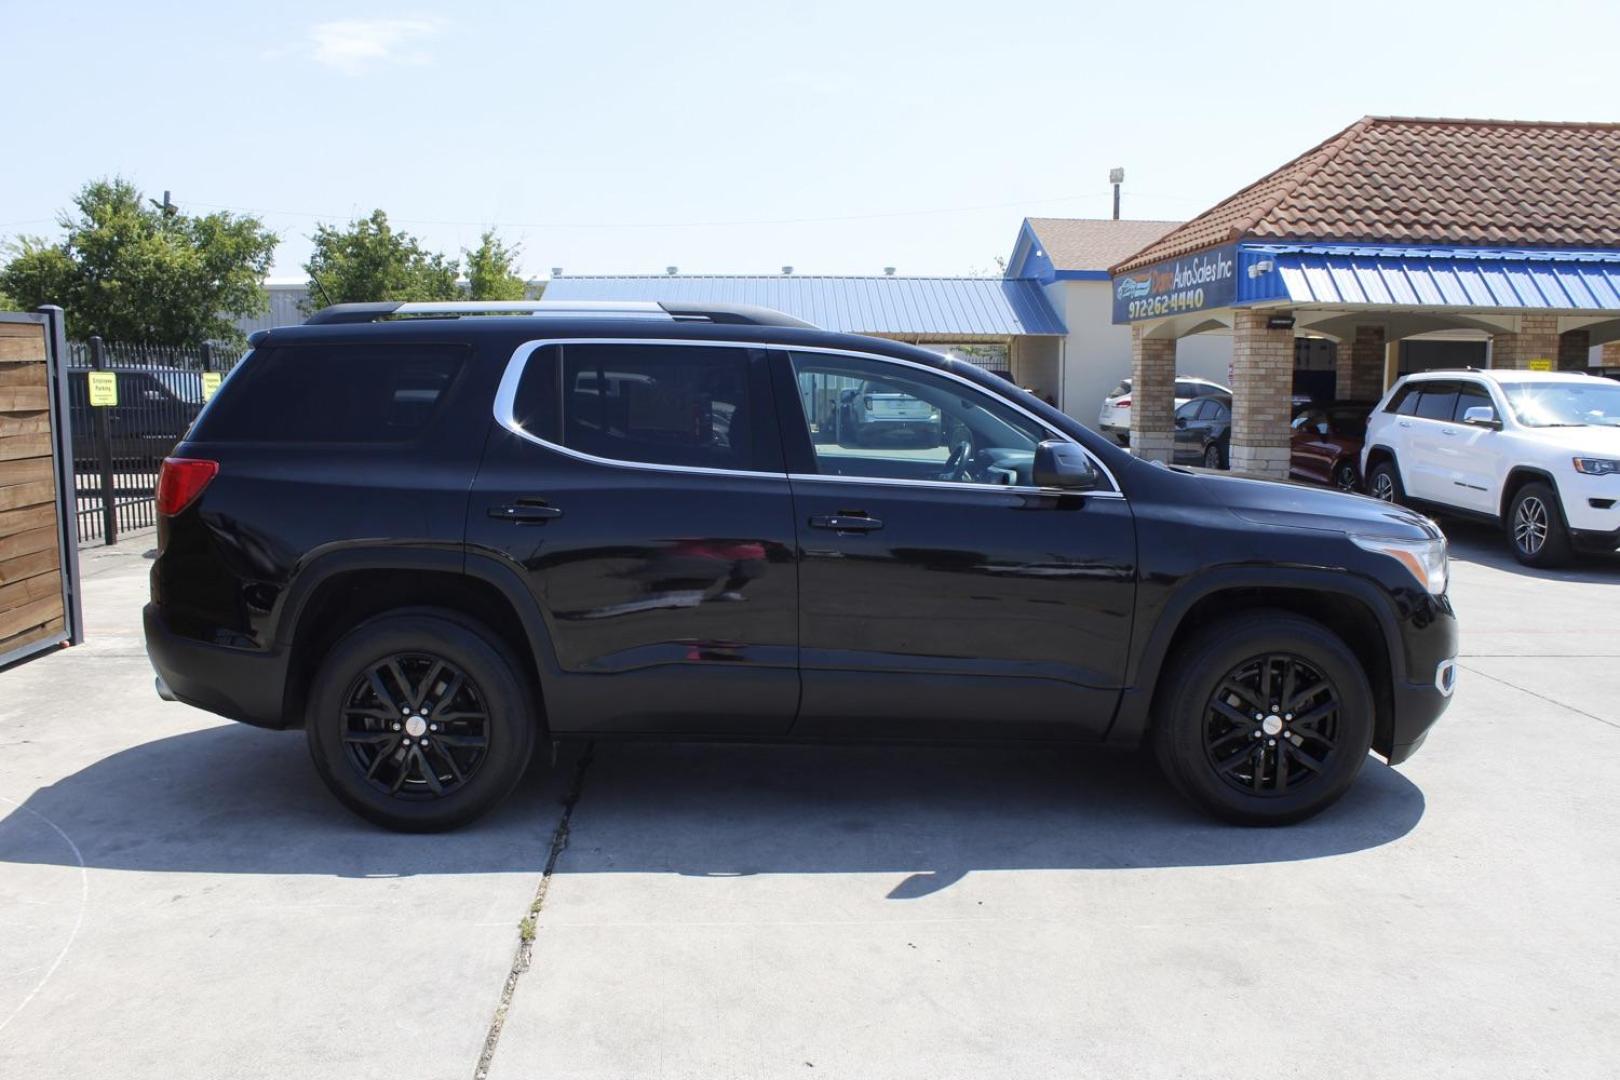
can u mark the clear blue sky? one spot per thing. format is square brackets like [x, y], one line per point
[735, 137]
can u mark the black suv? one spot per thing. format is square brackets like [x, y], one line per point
[432, 540]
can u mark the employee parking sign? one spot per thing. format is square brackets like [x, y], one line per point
[103, 389]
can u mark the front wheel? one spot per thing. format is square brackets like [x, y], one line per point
[419, 722]
[1263, 718]
[1536, 530]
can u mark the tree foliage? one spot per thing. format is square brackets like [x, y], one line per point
[129, 271]
[369, 260]
[492, 270]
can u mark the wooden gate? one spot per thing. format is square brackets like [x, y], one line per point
[39, 562]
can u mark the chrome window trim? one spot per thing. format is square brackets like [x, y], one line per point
[506, 398]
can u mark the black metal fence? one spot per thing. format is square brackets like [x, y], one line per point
[118, 448]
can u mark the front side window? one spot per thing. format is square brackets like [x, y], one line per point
[1472, 396]
[881, 420]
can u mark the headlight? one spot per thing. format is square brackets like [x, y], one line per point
[1596, 466]
[1425, 560]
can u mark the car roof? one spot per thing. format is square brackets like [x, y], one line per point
[1501, 375]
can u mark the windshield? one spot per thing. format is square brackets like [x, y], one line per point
[1564, 404]
[185, 385]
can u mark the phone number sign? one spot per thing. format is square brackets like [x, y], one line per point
[1177, 286]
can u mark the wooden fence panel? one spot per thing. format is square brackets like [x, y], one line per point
[31, 606]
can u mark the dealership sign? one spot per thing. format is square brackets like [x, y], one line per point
[1192, 283]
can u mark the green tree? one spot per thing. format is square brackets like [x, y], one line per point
[128, 271]
[491, 270]
[369, 260]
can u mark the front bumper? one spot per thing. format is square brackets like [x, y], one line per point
[1424, 690]
[237, 684]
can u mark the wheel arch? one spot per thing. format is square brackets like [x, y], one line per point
[1347, 606]
[337, 592]
[1377, 455]
[1517, 478]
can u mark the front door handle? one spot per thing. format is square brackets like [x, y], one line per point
[846, 523]
[525, 510]
[1448, 432]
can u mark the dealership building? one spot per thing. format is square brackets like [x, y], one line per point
[1491, 243]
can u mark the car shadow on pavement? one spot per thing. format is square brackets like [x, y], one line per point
[1484, 545]
[232, 799]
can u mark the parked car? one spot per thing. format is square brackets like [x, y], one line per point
[1536, 452]
[875, 414]
[1325, 443]
[155, 406]
[1115, 418]
[429, 543]
[1203, 432]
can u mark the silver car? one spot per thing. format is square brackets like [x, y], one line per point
[1115, 418]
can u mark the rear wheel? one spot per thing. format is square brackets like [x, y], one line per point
[1263, 718]
[1345, 478]
[1384, 483]
[1213, 458]
[419, 722]
[1535, 526]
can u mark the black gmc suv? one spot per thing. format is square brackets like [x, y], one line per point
[432, 535]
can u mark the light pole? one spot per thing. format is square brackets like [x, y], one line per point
[1116, 177]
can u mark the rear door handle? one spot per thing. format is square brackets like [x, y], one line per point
[525, 510]
[845, 522]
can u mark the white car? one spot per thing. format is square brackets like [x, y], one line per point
[1535, 451]
[1115, 418]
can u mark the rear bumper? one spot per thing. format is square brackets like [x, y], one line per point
[234, 683]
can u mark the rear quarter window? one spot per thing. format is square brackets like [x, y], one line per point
[333, 393]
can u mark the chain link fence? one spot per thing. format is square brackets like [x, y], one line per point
[118, 447]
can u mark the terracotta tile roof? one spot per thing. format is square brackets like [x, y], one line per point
[1484, 183]
[1094, 243]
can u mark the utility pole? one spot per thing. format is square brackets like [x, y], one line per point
[1115, 177]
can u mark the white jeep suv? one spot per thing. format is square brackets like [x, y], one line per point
[1536, 451]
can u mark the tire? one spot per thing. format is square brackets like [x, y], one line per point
[1536, 531]
[1210, 754]
[351, 726]
[1345, 477]
[1213, 458]
[1384, 483]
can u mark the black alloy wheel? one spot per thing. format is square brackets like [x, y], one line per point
[1271, 724]
[1212, 456]
[415, 726]
[420, 720]
[1263, 718]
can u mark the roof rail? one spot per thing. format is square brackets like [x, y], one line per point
[744, 314]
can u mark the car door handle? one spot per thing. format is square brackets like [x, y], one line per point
[525, 510]
[845, 522]
[1448, 433]
[1406, 423]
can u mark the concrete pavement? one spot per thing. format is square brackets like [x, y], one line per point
[179, 897]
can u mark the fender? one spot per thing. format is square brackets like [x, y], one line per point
[325, 565]
[1532, 471]
[1131, 720]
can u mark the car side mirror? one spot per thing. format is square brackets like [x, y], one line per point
[1063, 465]
[1481, 416]
[1181, 421]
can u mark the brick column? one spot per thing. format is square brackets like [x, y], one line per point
[1360, 372]
[1573, 350]
[1536, 339]
[1153, 395]
[1611, 354]
[1262, 389]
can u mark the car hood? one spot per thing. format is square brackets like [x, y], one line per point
[1290, 505]
[1588, 441]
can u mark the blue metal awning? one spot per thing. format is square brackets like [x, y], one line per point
[902, 306]
[1430, 277]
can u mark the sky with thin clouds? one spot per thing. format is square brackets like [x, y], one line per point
[836, 136]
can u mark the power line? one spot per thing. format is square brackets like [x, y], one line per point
[661, 224]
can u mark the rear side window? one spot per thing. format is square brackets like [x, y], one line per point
[1405, 400]
[659, 404]
[333, 394]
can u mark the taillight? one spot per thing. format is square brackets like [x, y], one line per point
[180, 481]
[1122, 403]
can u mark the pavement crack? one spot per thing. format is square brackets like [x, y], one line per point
[1539, 696]
[531, 919]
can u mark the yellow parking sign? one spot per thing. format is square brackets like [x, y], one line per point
[210, 384]
[1541, 365]
[103, 388]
